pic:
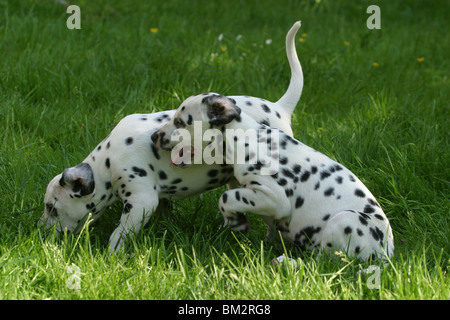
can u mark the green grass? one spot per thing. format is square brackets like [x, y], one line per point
[62, 91]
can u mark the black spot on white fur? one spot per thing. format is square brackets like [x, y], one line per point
[140, 172]
[359, 193]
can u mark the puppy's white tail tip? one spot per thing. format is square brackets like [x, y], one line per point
[294, 29]
[290, 99]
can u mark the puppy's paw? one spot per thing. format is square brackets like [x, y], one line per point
[238, 223]
[285, 260]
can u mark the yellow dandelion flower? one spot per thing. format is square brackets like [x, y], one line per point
[223, 48]
[375, 64]
[420, 59]
[346, 43]
[304, 35]
[154, 30]
[301, 40]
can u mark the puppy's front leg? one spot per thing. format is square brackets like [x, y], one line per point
[136, 213]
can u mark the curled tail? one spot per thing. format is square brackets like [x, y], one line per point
[290, 99]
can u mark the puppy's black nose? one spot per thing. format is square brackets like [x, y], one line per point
[155, 137]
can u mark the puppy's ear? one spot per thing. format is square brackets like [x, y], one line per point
[221, 110]
[80, 178]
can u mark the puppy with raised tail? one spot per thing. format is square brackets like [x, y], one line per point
[310, 199]
[127, 166]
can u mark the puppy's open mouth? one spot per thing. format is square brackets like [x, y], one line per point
[183, 157]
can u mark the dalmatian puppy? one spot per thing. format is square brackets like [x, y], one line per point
[127, 166]
[311, 200]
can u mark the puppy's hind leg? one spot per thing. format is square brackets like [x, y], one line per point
[358, 234]
[235, 203]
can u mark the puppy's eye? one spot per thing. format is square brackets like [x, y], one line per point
[179, 123]
[52, 212]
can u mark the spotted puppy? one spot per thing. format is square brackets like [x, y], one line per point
[127, 166]
[310, 199]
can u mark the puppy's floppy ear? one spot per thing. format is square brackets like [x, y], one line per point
[80, 178]
[221, 110]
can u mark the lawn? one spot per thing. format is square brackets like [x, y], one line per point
[375, 100]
